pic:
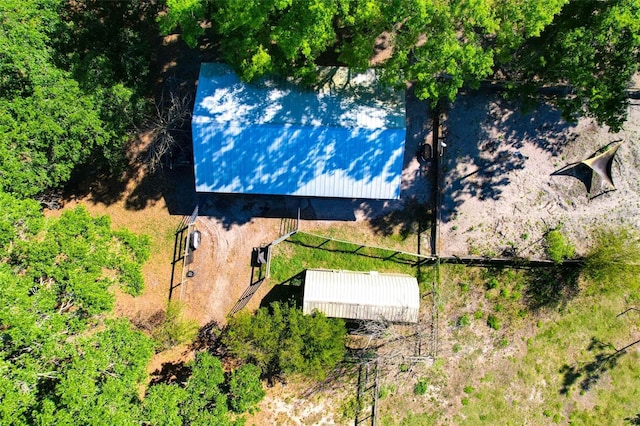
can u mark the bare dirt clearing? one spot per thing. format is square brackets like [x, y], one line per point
[499, 190]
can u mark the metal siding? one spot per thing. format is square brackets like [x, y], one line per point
[353, 295]
[249, 140]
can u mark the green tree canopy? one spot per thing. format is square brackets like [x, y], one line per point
[61, 363]
[245, 388]
[66, 99]
[592, 46]
[284, 340]
[440, 46]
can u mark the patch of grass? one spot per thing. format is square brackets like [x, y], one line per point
[302, 251]
[349, 408]
[559, 364]
[175, 329]
[387, 390]
[493, 283]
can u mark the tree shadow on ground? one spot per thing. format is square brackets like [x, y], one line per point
[606, 357]
[170, 372]
[413, 218]
[551, 287]
[483, 144]
[171, 60]
[291, 290]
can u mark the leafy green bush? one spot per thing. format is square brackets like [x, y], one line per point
[245, 389]
[493, 283]
[557, 246]
[421, 387]
[286, 341]
[493, 322]
[350, 408]
[464, 320]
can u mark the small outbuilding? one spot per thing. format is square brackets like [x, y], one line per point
[362, 295]
[343, 138]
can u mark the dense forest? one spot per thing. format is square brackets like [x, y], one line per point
[75, 86]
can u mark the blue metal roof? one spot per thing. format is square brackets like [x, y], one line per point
[345, 139]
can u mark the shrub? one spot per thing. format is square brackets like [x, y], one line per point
[464, 320]
[174, 330]
[493, 322]
[493, 283]
[245, 388]
[420, 388]
[558, 248]
[468, 389]
[615, 257]
[284, 340]
[350, 408]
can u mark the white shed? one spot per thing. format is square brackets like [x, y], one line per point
[362, 295]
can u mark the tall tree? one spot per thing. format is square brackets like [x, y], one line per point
[65, 99]
[593, 47]
[441, 46]
[283, 340]
[61, 364]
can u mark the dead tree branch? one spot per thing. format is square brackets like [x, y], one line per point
[173, 111]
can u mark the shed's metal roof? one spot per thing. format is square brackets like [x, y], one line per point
[362, 295]
[345, 139]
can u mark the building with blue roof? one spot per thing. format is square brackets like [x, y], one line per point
[345, 138]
